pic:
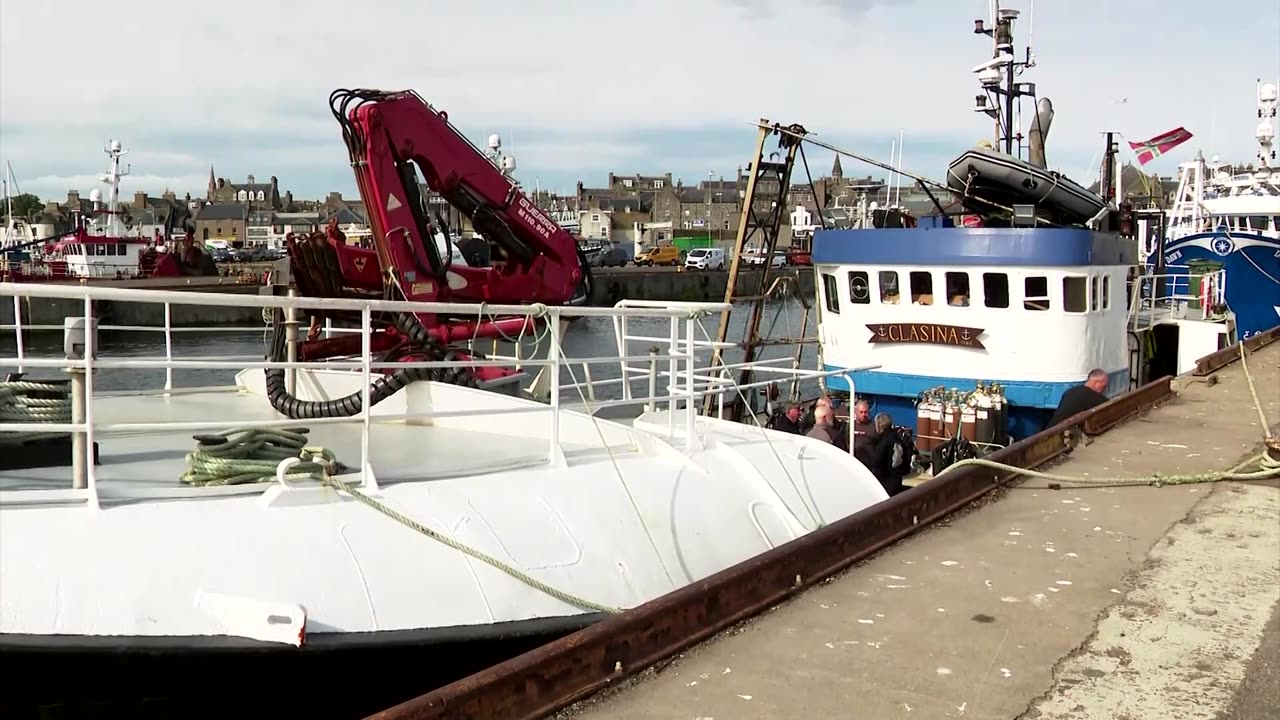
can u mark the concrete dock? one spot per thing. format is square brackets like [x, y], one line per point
[1126, 603]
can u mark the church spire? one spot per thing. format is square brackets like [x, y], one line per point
[837, 172]
[213, 184]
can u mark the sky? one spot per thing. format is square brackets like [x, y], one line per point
[581, 88]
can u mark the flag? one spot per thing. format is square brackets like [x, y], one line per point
[1159, 145]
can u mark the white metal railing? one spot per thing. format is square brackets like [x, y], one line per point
[1184, 294]
[685, 383]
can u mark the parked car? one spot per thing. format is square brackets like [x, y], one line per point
[705, 259]
[664, 255]
[757, 259]
[613, 257]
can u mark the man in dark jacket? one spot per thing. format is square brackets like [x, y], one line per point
[890, 458]
[1081, 397]
[786, 421]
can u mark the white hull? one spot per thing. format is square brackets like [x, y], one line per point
[220, 561]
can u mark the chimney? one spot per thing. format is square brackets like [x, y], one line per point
[139, 200]
[73, 199]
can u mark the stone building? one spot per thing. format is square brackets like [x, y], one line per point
[222, 221]
[221, 190]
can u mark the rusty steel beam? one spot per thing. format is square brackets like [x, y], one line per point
[1227, 355]
[565, 671]
[1120, 409]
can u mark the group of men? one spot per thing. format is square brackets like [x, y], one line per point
[876, 443]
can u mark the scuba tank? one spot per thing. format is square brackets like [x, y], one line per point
[969, 417]
[922, 419]
[1001, 407]
[951, 415]
[984, 416]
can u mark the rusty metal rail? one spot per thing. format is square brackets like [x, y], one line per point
[1227, 355]
[562, 672]
[1120, 409]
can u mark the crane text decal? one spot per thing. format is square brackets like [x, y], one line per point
[532, 217]
[926, 333]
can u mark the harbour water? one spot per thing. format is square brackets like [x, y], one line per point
[588, 337]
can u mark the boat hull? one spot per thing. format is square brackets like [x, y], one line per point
[1251, 262]
[145, 677]
[1006, 180]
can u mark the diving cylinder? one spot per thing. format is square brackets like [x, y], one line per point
[984, 416]
[1001, 405]
[969, 417]
[935, 418]
[922, 421]
[950, 415]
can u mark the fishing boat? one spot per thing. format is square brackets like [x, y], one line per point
[1229, 219]
[101, 247]
[447, 530]
[977, 325]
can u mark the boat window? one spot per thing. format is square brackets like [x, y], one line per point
[995, 290]
[1093, 294]
[89, 249]
[1035, 293]
[1258, 223]
[1106, 292]
[859, 287]
[889, 292]
[958, 289]
[921, 288]
[829, 292]
[1075, 294]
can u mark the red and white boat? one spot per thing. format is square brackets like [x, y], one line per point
[102, 248]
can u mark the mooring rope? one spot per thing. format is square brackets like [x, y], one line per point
[33, 401]
[1268, 466]
[252, 455]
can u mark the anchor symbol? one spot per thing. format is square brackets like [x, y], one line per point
[882, 331]
[964, 335]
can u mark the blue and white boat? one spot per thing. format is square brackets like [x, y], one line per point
[1230, 219]
[977, 330]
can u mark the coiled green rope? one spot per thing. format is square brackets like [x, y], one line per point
[251, 455]
[31, 401]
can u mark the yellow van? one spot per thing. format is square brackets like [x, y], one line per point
[665, 255]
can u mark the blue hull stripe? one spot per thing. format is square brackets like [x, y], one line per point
[972, 247]
[1021, 393]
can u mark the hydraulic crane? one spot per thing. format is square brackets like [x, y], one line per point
[391, 137]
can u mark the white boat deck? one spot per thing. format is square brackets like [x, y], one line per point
[148, 464]
[613, 513]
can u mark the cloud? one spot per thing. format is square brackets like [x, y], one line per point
[590, 86]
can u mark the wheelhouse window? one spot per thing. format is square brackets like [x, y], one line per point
[1094, 294]
[889, 291]
[921, 287]
[958, 289]
[995, 290]
[1035, 293]
[1075, 294]
[1106, 292]
[830, 293]
[859, 287]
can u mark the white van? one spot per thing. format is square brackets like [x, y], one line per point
[705, 259]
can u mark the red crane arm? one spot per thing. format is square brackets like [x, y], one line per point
[394, 135]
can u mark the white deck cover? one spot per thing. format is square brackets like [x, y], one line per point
[619, 525]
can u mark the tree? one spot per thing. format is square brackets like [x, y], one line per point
[24, 205]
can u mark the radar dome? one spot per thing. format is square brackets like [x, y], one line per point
[1265, 133]
[1267, 93]
[495, 142]
[115, 146]
[95, 195]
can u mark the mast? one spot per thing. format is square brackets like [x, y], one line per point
[114, 227]
[998, 78]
